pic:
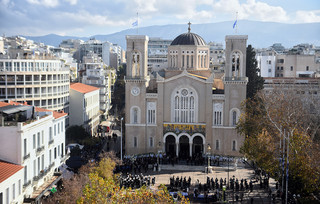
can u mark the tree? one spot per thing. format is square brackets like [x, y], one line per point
[282, 113]
[76, 133]
[118, 98]
[255, 81]
[96, 183]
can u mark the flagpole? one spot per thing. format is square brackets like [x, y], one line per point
[137, 23]
[237, 22]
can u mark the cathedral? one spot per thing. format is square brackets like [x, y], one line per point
[187, 109]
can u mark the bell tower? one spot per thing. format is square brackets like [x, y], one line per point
[235, 80]
[137, 56]
[136, 83]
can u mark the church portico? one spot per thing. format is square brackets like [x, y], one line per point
[183, 145]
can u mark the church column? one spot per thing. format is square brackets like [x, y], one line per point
[177, 149]
[190, 149]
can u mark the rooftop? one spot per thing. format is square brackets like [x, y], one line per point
[7, 170]
[83, 88]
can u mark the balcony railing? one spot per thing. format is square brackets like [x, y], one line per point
[51, 141]
[40, 149]
[26, 156]
[26, 184]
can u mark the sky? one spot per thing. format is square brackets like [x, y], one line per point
[85, 18]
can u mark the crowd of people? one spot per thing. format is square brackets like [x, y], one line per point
[136, 181]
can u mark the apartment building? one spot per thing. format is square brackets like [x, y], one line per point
[33, 138]
[38, 82]
[85, 107]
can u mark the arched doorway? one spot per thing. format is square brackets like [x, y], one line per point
[170, 146]
[197, 146]
[184, 147]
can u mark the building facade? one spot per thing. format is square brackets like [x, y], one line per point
[158, 54]
[188, 107]
[33, 138]
[85, 107]
[41, 83]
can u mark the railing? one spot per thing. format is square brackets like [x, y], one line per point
[40, 149]
[51, 141]
[235, 78]
[26, 184]
[26, 156]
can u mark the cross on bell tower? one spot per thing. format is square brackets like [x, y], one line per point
[189, 28]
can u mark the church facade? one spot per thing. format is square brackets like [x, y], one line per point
[186, 108]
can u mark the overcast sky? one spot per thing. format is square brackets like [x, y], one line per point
[91, 17]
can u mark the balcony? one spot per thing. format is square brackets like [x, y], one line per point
[40, 149]
[26, 184]
[26, 156]
[51, 142]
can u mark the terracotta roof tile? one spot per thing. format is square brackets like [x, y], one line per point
[83, 88]
[7, 170]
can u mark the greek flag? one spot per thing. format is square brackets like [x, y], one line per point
[135, 23]
[235, 23]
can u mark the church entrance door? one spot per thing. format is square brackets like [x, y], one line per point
[198, 146]
[184, 147]
[170, 146]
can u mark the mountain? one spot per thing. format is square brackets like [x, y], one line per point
[260, 34]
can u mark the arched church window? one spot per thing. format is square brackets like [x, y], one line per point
[184, 106]
[234, 118]
[135, 115]
[135, 64]
[235, 64]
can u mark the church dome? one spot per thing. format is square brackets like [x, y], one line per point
[188, 39]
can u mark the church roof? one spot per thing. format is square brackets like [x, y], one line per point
[188, 39]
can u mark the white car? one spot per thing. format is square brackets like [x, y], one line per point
[73, 145]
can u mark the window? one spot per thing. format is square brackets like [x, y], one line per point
[13, 191]
[34, 141]
[62, 152]
[42, 137]
[58, 128]
[217, 114]
[50, 133]
[269, 70]
[42, 162]
[135, 142]
[281, 68]
[151, 112]
[184, 103]
[234, 145]
[151, 142]
[50, 153]
[291, 68]
[25, 147]
[26, 174]
[217, 144]
[55, 153]
[38, 139]
[58, 150]
[19, 187]
[234, 118]
[61, 126]
[135, 115]
[278, 68]
[38, 165]
[34, 167]
[307, 68]
[55, 130]
[7, 198]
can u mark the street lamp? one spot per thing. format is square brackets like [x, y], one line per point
[158, 156]
[209, 149]
[121, 141]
